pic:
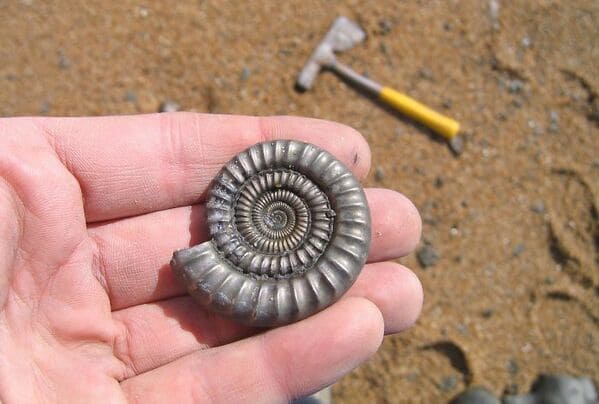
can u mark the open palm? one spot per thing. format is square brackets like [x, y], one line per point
[91, 210]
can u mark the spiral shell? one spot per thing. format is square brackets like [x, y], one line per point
[290, 229]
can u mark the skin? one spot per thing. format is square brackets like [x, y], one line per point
[91, 210]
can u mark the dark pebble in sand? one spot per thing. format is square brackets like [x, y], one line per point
[553, 122]
[63, 61]
[518, 250]
[512, 367]
[379, 173]
[488, 313]
[476, 395]
[426, 73]
[169, 106]
[130, 96]
[439, 182]
[448, 383]
[427, 256]
[538, 207]
[245, 74]
[558, 389]
[45, 107]
[515, 86]
[385, 26]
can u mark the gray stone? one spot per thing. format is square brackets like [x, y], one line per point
[448, 383]
[512, 367]
[130, 96]
[63, 61]
[553, 122]
[558, 389]
[379, 173]
[169, 106]
[538, 206]
[518, 250]
[515, 86]
[426, 73]
[476, 395]
[245, 74]
[427, 256]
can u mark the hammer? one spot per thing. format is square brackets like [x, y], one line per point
[343, 35]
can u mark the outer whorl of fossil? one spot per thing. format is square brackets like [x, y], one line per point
[290, 230]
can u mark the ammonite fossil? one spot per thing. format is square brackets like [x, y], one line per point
[290, 230]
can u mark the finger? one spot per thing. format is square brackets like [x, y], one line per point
[129, 165]
[157, 333]
[135, 252]
[396, 225]
[277, 366]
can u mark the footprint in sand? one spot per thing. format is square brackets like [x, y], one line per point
[574, 226]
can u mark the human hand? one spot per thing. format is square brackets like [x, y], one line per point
[91, 210]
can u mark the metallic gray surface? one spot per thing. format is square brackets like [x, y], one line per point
[290, 229]
[342, 35]
[351, 75]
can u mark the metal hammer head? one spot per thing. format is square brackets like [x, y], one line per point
[343, 35]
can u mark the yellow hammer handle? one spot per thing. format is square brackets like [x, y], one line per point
[441, 124]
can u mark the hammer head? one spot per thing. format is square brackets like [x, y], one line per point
[343, 35]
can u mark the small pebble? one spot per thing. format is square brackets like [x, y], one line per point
[526, 42]
[385, 27]
[553, 122]
[383, 48]
[448, 383]
[130, 96]
[398, 131]
[427, 256]
[515, 86]
[488, 313]
[426, 73]
[379, 173]
[169, 106]
[494, 13]
[63, 61]
[45, 107]
[476, 395]
[447, 26]
[462, 328]
[446, 104]
[538, 206]
[518, 250]
[512, 367]
[439, 182]
[245, 74]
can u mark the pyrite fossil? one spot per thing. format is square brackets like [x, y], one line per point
[290, 229]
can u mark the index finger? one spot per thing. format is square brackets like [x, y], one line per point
[129, 165]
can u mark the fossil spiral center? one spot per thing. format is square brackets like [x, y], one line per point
[276, 222]
[281, 223]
